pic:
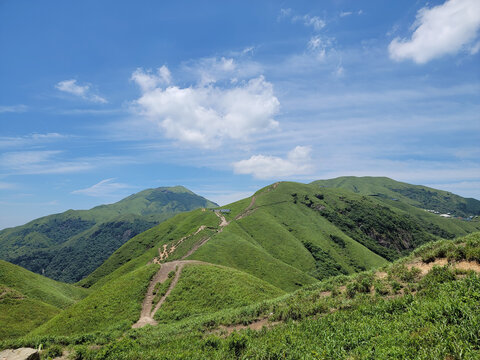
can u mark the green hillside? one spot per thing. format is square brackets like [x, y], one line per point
[419, 196]
[70, 245]
[27, 299]
[421, 307]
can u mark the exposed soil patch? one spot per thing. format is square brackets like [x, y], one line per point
[256, 325]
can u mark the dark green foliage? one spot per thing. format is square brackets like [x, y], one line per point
[325, 266]
[419, 196]
[70, 245]
[52, 352]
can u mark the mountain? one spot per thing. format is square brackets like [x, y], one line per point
[70, 245]
[285, 237]
[419, 196]
[290, 252]
[27, 299]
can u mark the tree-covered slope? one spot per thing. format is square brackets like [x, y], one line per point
[416, 195]
[70, 245]
[27, 299]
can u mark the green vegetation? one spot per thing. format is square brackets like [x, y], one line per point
[27, 300]
[419, 196]
[206, 289]
[403, 315]
[70, 245]
[116, 305]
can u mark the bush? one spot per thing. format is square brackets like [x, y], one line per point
[52, 352]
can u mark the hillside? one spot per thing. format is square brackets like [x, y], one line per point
[70, 245]
[421, 307]
[415, 195]
[301, 231]
[27, 299]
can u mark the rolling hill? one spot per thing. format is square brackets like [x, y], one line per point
[285, 237]
[290, 252]
[415, 195]
[70, 245]
[27, 299]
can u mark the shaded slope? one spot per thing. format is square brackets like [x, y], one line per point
[419, 196]
[70, 245]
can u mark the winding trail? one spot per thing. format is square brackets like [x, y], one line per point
[147, 314]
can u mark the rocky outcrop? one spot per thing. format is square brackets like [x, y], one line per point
[20, 354]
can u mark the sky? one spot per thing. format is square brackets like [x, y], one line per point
[102, 99]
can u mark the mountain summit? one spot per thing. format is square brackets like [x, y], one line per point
[70, 245]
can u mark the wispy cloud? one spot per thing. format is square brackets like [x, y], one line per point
[29, 140]
[13, 108]
[104, 188]
[82, 91]
[40, 162]
[438, 31]
[308, 20]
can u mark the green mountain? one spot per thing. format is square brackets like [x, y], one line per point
[285, 237]
[27, 299]
[420, 196]
[70, 245]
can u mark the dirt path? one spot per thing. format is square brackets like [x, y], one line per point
[147, 314]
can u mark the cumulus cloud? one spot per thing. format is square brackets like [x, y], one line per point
[148, 80]
[83, 91]
[104, 188]
[440, 30]
[206, 114]
[297, 162]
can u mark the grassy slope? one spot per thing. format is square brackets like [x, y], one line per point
[58, 245]
[401, 316]
[39, 287]
[415, 195]
[27, 300]
[115, 305]
[206, 289]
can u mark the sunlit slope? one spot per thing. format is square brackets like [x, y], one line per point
[419, 196]
[115, 305]
[289, 234]
[202, 288]
[70, 245]
[27, 299]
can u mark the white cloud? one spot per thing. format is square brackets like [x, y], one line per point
[147, 80]
[40, 162]
[71, 87]
[207, 114]
[440, 30]
[12, 108]
[104, 188]
[313, 21]
[297, 162]
[28, 140]
[6, 186]
[345, 13]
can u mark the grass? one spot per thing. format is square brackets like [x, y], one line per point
[115, 305]
[206, 289]
[434, 316]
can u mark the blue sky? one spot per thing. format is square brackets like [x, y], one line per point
[101, 99]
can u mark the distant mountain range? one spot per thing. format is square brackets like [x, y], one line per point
[70, 245]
